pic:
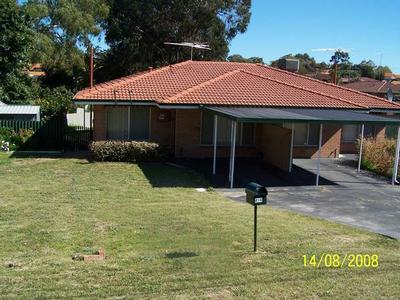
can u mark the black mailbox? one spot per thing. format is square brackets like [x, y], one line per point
[256, 194]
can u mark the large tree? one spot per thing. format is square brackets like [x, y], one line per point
[15, 46]
[64, 31]
[137, 29]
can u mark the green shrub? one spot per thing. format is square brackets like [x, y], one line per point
[126, 151]
[6, 133]
[16, 139]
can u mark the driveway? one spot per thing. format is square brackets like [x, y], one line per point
[357, 199]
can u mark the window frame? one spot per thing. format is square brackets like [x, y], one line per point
[128, 123]
[344, 141]
[292, 125]
[239, 137]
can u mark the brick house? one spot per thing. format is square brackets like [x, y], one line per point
[176, 106]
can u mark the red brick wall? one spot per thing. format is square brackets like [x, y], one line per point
[187, 138]
[274, 142]
[182, 133]
[162, 126]
[99, 123]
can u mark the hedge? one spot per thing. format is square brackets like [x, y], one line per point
[125, 151]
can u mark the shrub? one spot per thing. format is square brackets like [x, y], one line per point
[378, 155]
[14, 139]
[126, 151]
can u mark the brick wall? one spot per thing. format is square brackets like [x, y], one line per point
[99, 123]
[274, 142]
[187, 138]
[162, 126]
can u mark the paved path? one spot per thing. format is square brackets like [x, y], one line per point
[360, 200]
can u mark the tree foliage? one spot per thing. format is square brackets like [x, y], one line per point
[308, 65]
[15, 47]
[53, 101]
[239, 58]
[137, 29]
[64, 29]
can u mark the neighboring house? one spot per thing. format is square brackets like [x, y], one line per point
[323, 75]
[177, 106]
[36, 70]
[79, 118]
[19, 112]
[375, 87]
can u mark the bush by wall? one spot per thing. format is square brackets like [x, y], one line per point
[378, 155]
[14, 139]
[131, 151]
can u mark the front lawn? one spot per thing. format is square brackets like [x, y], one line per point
[163, 239]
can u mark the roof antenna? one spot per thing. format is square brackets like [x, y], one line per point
[202, 46]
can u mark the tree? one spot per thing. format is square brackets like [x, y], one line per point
[64, 30]
[308, 65]
[239, 58]
[15, 47]
[340, 57]
[366, 68]
[379, 72]
[137, 29]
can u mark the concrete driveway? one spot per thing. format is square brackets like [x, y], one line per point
[361, 200]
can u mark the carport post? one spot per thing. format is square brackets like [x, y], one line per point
[396, 160]
[321, 127]
[361, 148]
[233, 146]
[291, 149]
[215, 143]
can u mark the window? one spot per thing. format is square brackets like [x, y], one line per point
[350, 133]
[139, 123]
[117, 121]
[244, 131]
[128, 123]
[305, 134]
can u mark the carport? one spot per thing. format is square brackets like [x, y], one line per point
[269, 115]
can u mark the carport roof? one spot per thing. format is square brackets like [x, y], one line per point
[298, 115]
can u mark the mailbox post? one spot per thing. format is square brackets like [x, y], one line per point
[256, 195]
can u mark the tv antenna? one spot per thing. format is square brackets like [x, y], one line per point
[202, 46]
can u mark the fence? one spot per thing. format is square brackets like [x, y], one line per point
[53, 134]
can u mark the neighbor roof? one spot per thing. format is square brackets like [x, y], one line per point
[19, 110]
[227, 83]
[376, 86]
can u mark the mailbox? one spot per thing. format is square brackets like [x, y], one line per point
[256, 194]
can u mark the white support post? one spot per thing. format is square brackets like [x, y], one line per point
[215, 144]
[361, 149]
[397, 157]
[291, 150]
[321, 127]
[233, 146]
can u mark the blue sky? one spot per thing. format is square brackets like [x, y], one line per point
[370, 29]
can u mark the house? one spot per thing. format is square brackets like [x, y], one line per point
[19, 112]
[375, 87]
[204, 109]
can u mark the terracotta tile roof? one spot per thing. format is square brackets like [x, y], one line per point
[226, 83]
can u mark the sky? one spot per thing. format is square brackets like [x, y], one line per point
[369, 29]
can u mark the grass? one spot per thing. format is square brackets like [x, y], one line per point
[165, 240]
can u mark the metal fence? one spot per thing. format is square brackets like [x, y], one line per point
[52, 134]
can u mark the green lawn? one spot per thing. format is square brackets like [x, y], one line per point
[165, 240]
